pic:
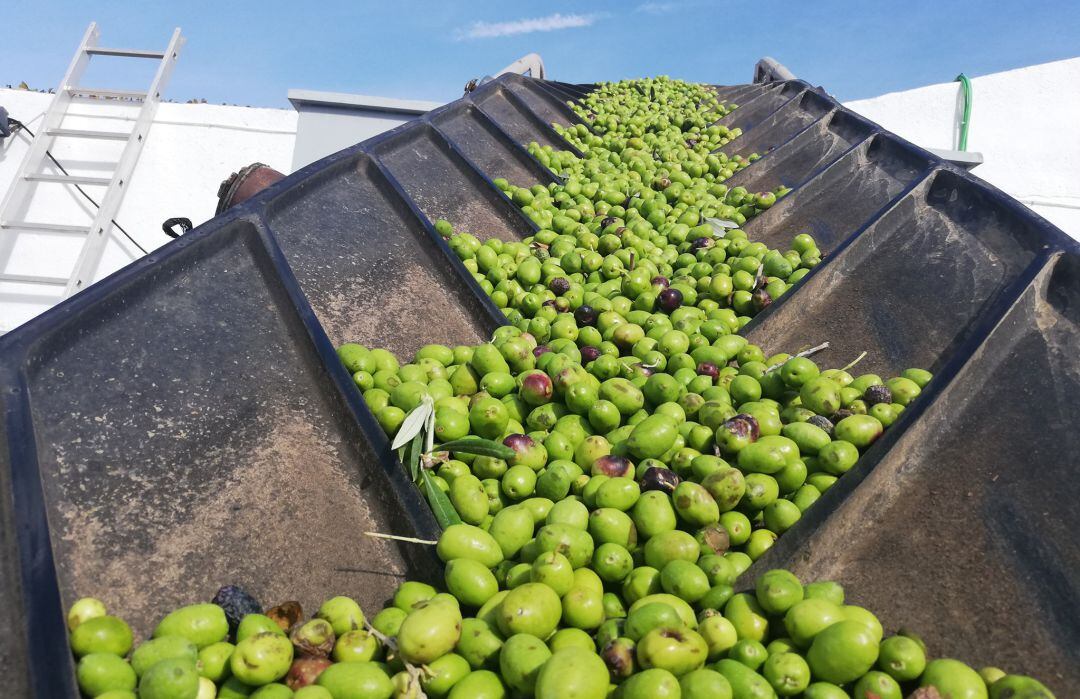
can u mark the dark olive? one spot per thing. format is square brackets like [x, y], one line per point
[822, 422]
[669, 299]
[585, 315]
[877, 393]
[656, 478]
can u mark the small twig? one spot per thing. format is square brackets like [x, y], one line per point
[804, 353]
[414, 678]
[390, 643]
[855, 361]
[433, 458]
[395, 537]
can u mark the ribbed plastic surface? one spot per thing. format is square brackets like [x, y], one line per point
[185, 423]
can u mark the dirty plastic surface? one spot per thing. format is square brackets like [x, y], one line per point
[191, 406]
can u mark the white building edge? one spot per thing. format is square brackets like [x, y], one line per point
[1024, 123]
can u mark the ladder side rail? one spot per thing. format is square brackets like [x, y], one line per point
[35, 155]
[92, 251]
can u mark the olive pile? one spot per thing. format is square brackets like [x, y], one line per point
[604, 469]
[725, 444]
[555, 633]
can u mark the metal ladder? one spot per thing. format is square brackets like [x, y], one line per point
[32, 173]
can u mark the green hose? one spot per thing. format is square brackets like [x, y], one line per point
[965, 121]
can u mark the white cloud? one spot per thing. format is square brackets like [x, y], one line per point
[656, 8]
[490, 30]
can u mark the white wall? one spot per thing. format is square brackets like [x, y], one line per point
[190, 149]
[331, 121]
[1025, 122]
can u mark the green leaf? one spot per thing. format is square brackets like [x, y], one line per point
[414, 450]
[444, 511]
[479, 447]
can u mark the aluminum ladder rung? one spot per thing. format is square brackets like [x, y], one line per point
[126, 53]
[33, 279]
[38, 226]
[84, 133]
[98, 92]
[71, 179]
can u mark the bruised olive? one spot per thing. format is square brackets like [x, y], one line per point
[559, 285]
[618, 655]
[877, 394]
[754, 430]
[613, 467]
[822, 422]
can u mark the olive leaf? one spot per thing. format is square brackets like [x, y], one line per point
[415, 451]
[441, 507]
[429, 432]
[719, 225]
[414, 423]
[479, 447]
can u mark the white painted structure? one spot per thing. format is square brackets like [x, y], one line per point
[331, 121]
[190, 149]
[1024, 122]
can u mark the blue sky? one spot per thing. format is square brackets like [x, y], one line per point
[252, 53]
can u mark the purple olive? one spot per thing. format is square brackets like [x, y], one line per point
[536, 388]
[660, 281]
[663, 479]
[877, 394]
[701, 243]
[585, 315]
[645, 370]
[559, 285]
[669, 299]
[708, 369]
[608, 220]
[540, 349]
[589, 353]
[519, 442]
[613, 467]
